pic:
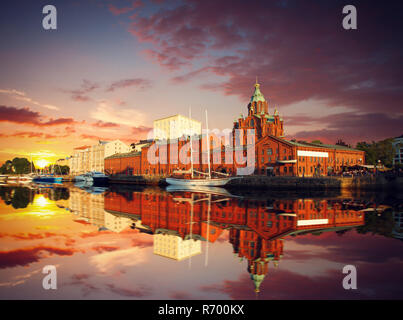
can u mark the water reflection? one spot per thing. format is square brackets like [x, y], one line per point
[185, 224]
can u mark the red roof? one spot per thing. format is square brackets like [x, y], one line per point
[81, 148]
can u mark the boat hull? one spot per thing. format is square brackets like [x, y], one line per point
[48, 180]
[189, 183]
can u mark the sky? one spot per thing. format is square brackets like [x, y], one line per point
[112, 67]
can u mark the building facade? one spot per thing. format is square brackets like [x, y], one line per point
[175, 127]
[398, 150]
[265, 150]
[92, 158]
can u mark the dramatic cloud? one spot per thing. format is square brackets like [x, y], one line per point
[299, 51]
[118, 11]
[19, 95]
[81, 94]
[141, 131]
[356, 127]
[124, 116]
[27, 116]
[135, 82]
[101, 124]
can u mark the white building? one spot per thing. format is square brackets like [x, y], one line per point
[175, 127]
[398, 148]
[174, 247]
[91, 158]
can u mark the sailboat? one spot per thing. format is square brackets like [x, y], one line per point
[197, 182]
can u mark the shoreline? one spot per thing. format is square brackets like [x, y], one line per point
[373, 183]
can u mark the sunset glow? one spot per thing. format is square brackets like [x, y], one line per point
[42, 163]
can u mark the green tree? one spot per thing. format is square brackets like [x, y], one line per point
[340, 142]
[381, 150]
[7, 167]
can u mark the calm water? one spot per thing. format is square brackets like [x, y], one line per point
[150, 243]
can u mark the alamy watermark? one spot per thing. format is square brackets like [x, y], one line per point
[350, 280]
[50, 280]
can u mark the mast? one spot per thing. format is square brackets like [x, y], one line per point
[191, 226]
[208, 147]
[208, 229]
[191, 143]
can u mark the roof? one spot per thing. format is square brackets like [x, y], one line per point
[124, 155]
[310, 145]
[322, 145]
[257, 95]
[82, 148]
[177, 116]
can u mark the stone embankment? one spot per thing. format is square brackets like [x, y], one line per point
[286, 183]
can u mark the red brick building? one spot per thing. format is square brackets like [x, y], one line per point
[272, 153]
[256, 230]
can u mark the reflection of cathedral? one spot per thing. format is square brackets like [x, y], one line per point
[179, 221]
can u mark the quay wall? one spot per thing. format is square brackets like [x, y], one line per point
[284, 183]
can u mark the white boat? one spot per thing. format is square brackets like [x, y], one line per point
[214, 182]
[92, 177]
[195, 182]
[80, 178]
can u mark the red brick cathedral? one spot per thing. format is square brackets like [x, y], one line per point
[259, 118]
[274, 155]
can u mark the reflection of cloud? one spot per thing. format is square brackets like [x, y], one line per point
[103, 248]
[17, 280]
[180, 295]
[109, 260]
[26, 256]
[139, 292]
[82, 280]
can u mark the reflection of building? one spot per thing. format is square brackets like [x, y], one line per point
[397, 144]
[91, 158]
[174, 247]
[256, 228]
[398, 230]
[175, 126]
[89, 207]
[115, 223]
[272, 153]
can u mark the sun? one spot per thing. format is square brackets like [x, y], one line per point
[41, 163]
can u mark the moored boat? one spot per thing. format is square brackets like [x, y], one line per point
[92, 177]
[208, 180]
[47, 178]
[215, 182]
